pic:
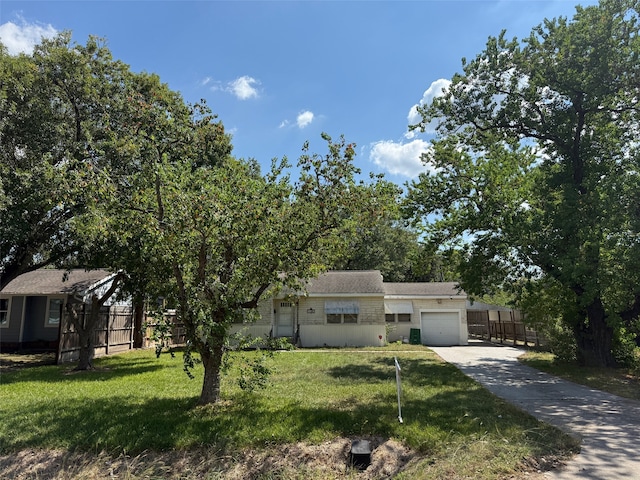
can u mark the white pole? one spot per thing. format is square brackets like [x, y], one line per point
[399, 388]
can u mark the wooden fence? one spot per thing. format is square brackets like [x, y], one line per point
[171, 331]
[114, 333]
[502, 326]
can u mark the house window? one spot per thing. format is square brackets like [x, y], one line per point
[397, 317]
[342, 318]
[4, 312]
[350, 318]
[54, 311]
[398, 311]
[341, 312]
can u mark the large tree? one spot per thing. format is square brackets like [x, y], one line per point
[59, 119]
[538, 169]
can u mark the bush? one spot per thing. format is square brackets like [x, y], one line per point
[624, 349]
[562, 343]
[280, 343]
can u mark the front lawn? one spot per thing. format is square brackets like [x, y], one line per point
[624, 382]
[139, 406]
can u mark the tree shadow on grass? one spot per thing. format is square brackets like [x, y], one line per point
[66, 372]
[120, 424]
[417, 371]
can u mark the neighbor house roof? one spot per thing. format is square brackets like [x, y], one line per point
[424, 289]
[358, 282]
[48, 281]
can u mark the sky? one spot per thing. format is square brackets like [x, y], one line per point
[279, 73]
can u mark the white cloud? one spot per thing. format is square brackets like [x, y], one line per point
[400, 158]
[304, 118]
[243, 87]
[22, 38]
[436, 89]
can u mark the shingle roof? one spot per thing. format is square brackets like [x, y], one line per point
[427, 289]
[347, 282]
[47, 281]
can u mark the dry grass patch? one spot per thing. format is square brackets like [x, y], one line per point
[328, 460]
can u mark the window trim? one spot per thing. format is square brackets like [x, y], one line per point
[7, 311]
[47, 318]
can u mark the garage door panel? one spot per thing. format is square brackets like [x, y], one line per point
[440, 328]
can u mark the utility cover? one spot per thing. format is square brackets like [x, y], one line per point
[360, 456]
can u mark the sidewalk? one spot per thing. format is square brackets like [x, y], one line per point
[608, 426]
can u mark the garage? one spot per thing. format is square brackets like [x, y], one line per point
[440, 328]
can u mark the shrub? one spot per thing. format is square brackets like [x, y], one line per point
[561, 343]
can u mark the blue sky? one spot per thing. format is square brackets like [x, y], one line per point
[280, 73]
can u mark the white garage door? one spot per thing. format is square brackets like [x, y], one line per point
[440, 328]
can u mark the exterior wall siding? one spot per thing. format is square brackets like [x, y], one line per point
[371, 310]
[310, 320]
[262, 326]
[341, 335]
[11, 333]
[315, 332]
[400, 331]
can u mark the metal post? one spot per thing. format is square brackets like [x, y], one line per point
[399, 388]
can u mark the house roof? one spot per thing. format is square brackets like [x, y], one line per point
[48, 281]
[358, 282]
[424, 289]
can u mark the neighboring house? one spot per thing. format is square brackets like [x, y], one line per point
[32, 306]
[357, 308]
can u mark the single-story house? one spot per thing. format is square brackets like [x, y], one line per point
[357, 308]
[32, 305]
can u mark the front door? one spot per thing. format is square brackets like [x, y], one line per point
[284, 320]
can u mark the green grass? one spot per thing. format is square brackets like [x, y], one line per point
[136, 403]
[624, 382]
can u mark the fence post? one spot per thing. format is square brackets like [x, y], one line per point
[488, 326]
[106, 347]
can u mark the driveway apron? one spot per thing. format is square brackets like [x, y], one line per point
[607, 425]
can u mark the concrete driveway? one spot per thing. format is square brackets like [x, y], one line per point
[608, 426]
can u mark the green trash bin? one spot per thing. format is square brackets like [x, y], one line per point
[414, 336]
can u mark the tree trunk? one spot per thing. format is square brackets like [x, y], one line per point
[138, 320]
[86, 350]
[84, 328]
[212, 361]
[594, 338]
[86, 333]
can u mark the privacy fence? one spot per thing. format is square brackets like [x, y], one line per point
[502, 326]
[114, 333]
[169, 331]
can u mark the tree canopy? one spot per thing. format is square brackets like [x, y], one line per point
[227, 235]
[58, 107]
[537, 170]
